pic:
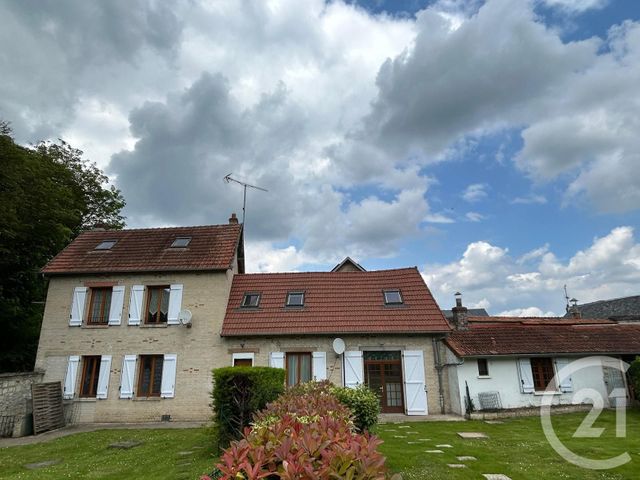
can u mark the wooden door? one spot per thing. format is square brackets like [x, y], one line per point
[383, 374]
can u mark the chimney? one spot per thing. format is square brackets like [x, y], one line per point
[574, 310]
[233, 220]
[460, 321]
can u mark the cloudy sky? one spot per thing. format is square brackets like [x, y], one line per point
[492, 144]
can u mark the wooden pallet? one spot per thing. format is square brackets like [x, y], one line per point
[48, 413]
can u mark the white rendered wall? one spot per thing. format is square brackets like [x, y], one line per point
[504, 378]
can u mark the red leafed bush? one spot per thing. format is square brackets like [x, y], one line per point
[305, 434]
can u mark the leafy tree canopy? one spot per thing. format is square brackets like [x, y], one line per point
[48, 194]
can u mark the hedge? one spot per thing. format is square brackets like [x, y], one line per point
[363, 403]
[240, 392]
[634, 375]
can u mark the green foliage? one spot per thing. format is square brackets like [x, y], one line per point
[634, 375]
[363, 403]
[240, 392]
[305, 434]
[48, 194]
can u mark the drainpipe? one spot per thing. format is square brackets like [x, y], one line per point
[439, 368]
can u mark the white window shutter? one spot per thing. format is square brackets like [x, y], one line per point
[175, 304]
[168, 385]
[70, 378]
[566, 384]
[276, 360]
[526, 375]
[353, 369]
[414, 383]
[117, 303]
[77, 306]
[127, 376]
[103, 377]
[135, 304]
[319, 366]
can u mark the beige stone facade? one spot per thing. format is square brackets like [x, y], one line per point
[261, 347]
[198, 349]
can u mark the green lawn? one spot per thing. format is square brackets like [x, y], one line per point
[516, 448]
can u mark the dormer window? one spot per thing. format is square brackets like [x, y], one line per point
[106, 245]
[251, 300]
[392, 297]
[181, 242]
[295, 299]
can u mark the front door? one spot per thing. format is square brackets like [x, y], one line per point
[383, 374]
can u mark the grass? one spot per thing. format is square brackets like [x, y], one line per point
[516, 448]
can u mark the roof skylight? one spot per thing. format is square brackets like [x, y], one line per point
[181, 242]
[106, 245]
[295, 299]
[251, 300]
[392, 297]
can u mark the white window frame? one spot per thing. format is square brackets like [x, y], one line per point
[243, 356]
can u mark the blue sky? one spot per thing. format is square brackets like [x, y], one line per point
[492, 144]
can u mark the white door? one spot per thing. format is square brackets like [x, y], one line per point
[353, 369]
[614, 381]
[414, 382]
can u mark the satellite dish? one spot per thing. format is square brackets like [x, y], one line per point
[338, 346]
[185, 317]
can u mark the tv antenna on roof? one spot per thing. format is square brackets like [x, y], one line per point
[229, 179]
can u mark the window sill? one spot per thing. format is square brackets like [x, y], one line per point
[483, 377]
[98, 326]
[147, 399]
[153, 325]
[86, 399]
[551, 394]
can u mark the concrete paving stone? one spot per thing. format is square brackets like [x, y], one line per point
[399, 436]
[444, 445]
[433, 451]
[185, 453]
[456, 465]
[466, 458]
[495, 476]
[423, 439]
[404, 426]
[126, 444]
[471, 435]
[43, 464]
[411, 433]
[494, 422]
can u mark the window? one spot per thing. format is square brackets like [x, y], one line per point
[295, 299]
[392, 297]
[542, 369]
[106, 245]
[90, 374]
[251, 300]
[298, 368]
[181, 242]
[242, 359]
[150, 375]
[157, 304]
[99, 306]
[483, 367]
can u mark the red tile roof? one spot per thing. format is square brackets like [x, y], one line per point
[212, 247]
[488, 336]
[335, 303]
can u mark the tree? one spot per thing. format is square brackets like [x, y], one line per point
[48, 194]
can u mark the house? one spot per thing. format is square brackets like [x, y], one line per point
[350, 326]
[508, 362]
[132, 321]
[625, 309]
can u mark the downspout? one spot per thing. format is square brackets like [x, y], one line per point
[439, 368]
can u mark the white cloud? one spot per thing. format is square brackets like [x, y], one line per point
[608, 268]
[475, 192]
[527, 312]
[576, 5]
[474, 216]
[438, 218]
[532, 199]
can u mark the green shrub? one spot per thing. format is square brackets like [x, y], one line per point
[305, 434]
[634, 375]
[363, 403]
[240, 392]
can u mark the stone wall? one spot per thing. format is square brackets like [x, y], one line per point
[16, 407]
